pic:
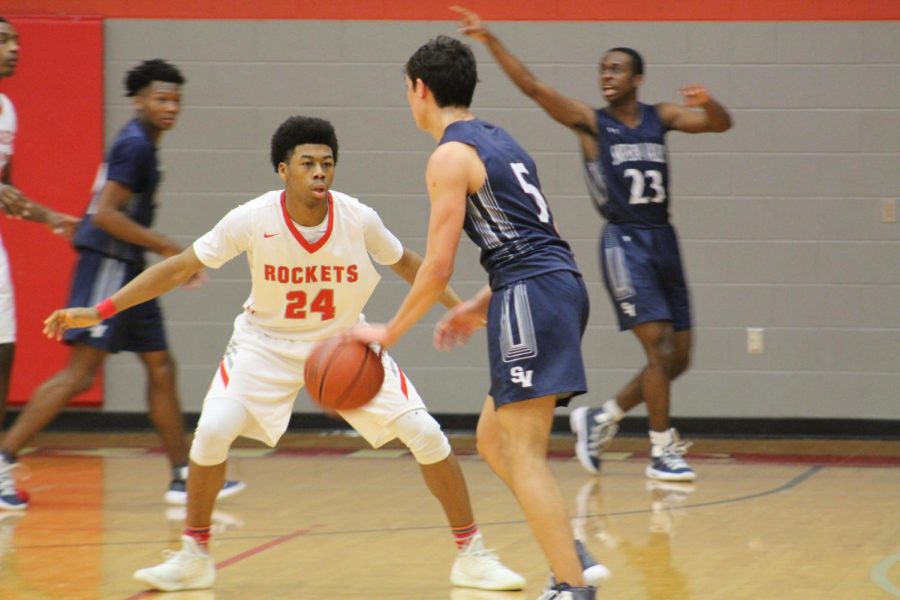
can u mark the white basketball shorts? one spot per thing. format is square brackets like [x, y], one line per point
[265, 374]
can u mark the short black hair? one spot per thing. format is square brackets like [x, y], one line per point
[300, 130]
[149, 71]
[448, 68]
[637, 63]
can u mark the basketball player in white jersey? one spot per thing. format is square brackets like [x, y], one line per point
[14, 203]
[309, 250]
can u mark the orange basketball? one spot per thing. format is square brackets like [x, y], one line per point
[341, 374]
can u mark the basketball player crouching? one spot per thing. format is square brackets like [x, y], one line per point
[309, 251]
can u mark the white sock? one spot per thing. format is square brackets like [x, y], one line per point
[660, 439]
[611, 407]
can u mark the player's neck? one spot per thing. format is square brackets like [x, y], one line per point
[627, 111]
[446, 117]
[154, 133]
[307, 213]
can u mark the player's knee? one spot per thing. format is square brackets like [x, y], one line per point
[220, 423]
[423, 436]
[679, 364]
[209, 447]
[74, 381]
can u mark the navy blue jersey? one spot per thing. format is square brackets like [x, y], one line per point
[629, 182]
[132, 162]
[508, 218]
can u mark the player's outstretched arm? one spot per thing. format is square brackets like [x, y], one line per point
[447, 180]
[16, 204]
[572, 113]
[713, 117]
[159, 279]
[409, 265]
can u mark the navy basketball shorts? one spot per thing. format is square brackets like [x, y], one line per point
[534, 335]
[644, 276]
[138, 329]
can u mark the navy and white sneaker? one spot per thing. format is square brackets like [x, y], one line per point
[594, 429]
[566, 592]
[592, 571]
[667, 462]
[177, 492]
[10, 497]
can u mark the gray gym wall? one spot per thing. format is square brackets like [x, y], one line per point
[780, 218]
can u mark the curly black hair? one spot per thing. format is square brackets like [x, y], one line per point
[300, 130]
[149, 71]
[448, 68]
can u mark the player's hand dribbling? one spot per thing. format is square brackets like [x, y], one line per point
[69, 318]
[694, 94]
[458, 325]
[470, 24]
[371, 333]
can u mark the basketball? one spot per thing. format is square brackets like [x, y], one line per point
[341, 374]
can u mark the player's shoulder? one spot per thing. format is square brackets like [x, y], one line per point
[350, 203]
[264, 202]
[132, 139]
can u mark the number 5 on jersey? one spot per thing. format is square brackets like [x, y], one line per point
[323, 304]
[543, 212]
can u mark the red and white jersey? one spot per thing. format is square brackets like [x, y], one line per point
[7, 130]
[302, 290]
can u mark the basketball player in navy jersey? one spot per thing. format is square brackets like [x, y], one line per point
[111, 242]
[481, 181]
[626, 168]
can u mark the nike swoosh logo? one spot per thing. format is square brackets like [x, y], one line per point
[268, 235]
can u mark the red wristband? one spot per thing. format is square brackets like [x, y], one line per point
[106, 309]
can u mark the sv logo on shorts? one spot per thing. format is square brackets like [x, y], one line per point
[629, 309]
[521, 376]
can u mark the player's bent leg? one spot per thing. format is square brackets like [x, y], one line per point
[475, 566]
[489, 440]
[525, 432]
[192, 567]
[217, 429]
[52, 396]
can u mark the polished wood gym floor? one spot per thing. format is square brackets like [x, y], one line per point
[323, 517]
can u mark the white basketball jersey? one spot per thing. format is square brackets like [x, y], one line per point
[7, 130]
[300, 290]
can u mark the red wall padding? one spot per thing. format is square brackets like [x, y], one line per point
[58, 94]
[507, 10]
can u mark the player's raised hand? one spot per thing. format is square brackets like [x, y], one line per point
[457, 326]
[694, 94]
[69, 318]
[470, 24]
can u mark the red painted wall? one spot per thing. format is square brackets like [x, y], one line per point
[547, 10]
[58, 94]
